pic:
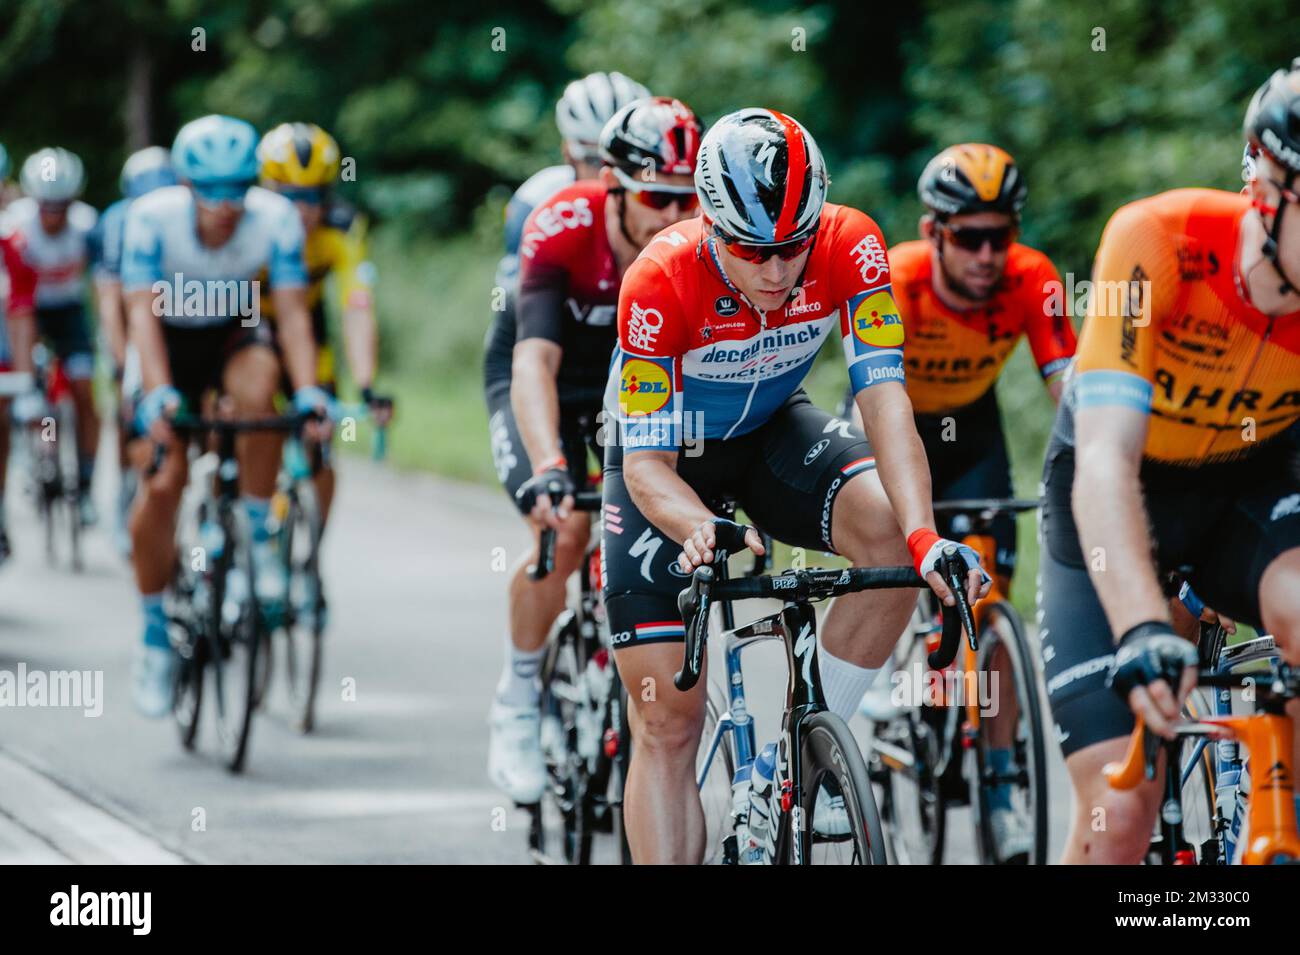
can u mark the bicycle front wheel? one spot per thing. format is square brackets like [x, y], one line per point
[831, 761]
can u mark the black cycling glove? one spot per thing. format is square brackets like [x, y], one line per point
[555, 482]
[1149, 652]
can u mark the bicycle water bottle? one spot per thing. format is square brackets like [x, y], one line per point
[754, 850]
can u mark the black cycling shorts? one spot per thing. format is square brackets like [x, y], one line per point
[68, 332]
[785, 475]
[1223, 524]
[967, 452]
[579, 425]
[198, 355]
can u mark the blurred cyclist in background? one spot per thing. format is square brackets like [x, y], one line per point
[301, 162]
[144, 171]
[545, 409]
[218, 229]
[51, 233]
[18, 285]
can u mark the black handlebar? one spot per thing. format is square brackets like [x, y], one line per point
[582, 501]
[696, 600]
[191, 424]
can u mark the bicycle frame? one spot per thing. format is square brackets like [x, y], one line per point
[796, 626]
[1229, 767]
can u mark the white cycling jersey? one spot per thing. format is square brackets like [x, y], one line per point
[59, 260]
[197, 285]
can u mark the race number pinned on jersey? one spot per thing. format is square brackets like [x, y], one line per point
[873, 339]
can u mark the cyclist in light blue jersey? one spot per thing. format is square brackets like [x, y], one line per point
[191, 257]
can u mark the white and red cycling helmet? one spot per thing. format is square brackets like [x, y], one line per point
[761, 178]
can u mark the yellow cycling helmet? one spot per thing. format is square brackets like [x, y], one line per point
[298, 155]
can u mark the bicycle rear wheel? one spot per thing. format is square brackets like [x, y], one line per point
[1004, 650]
[831, 759]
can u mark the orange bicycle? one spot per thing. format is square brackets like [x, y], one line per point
[1267, 734]
[969, 734]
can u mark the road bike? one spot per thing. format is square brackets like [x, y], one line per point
[584, 730]
[935, 750]
[52, 460]
[215, 622]
[298, 626]
[1261, 789]
[816, 749]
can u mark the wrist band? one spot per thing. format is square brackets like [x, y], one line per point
[557, 462]
[919, 543]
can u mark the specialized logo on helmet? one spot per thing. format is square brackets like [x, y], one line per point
[876, 321]
[1284, 153]
[644, 387]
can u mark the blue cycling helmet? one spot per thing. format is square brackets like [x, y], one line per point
[146, 170]
[216, 149]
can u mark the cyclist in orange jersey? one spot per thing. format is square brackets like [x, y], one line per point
[968, 292]
[1171, 444]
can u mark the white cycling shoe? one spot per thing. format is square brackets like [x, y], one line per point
[830, 817]
[153, 680]
[515, 763]
[1011, 835]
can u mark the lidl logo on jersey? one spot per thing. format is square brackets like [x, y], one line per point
[876, 321]
[644, 387]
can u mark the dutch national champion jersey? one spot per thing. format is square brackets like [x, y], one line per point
[1169, 334]
[695, 359]
[162, 246]
[954, 357]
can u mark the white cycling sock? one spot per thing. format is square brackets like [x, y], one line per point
[843, 683]
[518, 683]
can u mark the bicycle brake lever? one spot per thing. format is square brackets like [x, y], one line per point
[693, 603]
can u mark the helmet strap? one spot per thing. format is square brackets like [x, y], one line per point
[622, 216]
[1270, 247]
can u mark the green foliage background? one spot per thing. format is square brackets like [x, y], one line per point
[446, 107]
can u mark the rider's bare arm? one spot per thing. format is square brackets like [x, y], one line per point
[108, 302]
[144, 330]
[535, 397]
[1109, 513]
[293, 331]
[900, 457]
[361, 343]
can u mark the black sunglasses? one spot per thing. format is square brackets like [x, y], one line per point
[972, 240]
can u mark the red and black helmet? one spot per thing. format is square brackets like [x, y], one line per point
[658, 133]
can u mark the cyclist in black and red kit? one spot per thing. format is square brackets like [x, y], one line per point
[573, 252]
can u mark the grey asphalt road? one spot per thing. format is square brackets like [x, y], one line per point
[394, 773]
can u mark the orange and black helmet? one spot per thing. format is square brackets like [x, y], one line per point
[972, 177]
